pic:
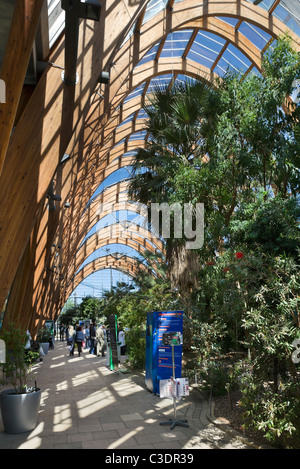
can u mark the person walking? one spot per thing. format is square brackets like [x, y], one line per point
[87, 337]
[92, 337]
[71, 339]
[79, 338]
[100, 341]
[121, 339]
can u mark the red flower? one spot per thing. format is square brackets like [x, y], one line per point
[239, 255]
[210, 263]
[226, 269]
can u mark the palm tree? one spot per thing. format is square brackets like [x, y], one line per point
[178, 126]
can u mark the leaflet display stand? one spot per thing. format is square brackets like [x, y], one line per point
[158, 363]
[173, 339]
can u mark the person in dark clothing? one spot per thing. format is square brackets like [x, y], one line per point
[92, 337]
[79, 338]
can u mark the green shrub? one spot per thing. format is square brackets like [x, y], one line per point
[275, 415]
[18, 361]
[136, 348]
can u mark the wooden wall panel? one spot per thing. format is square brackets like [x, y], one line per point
[18, 51]
[54, 115]
[81, 121]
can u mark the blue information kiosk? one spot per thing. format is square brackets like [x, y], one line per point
[158, 356]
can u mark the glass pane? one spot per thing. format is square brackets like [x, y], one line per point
[205, 48]
[234, 60]
[159, 81]
[138, 136]
[136, 92]
[56, 20]
[265, 4]
[116, 176]
[289, 13]
[98, 283]
[176, 43]
[154, 7]
[142, 114]
[255, 72]
[227, 19]
[256, 35]
[150, 55]
[184, 78]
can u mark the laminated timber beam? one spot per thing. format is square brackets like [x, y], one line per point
[56, 296]
[21, 37]
[185, 14]
[114, 234]
[127, 265]
[147, 70]
[54, 115]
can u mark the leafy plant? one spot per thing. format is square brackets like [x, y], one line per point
[43, 335]
[275, 415]
[136, 347]
[18, 362]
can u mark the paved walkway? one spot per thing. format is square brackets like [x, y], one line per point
[87, 406]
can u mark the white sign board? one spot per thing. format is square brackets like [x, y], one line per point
[2, 351]
[174, 388]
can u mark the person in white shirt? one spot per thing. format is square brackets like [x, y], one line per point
[121, 339]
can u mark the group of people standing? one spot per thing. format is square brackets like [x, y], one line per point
[90, 337]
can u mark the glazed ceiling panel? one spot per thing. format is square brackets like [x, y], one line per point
[56, 20]
[206, 48]
[127, 265]
[210, 37]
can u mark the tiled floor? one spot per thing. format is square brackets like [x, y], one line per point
[87, 406]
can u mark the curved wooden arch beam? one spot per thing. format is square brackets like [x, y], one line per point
[22, 33]
[113, 231]
[132, 239]
[127, 265]
[53, 118]
[134, 242]
[112, 199]
[56, 288]
[54, 291]
[75, 229]
[109, 209]
[190, 14]
[80, 210]
[33, 176]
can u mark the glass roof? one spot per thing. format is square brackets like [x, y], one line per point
[119, 216]
[116, 251]
[287, 11]
[207, 49]
[97, 283]
[56, 20]
[153, 8]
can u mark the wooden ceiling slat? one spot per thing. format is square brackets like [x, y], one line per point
[18, 51]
